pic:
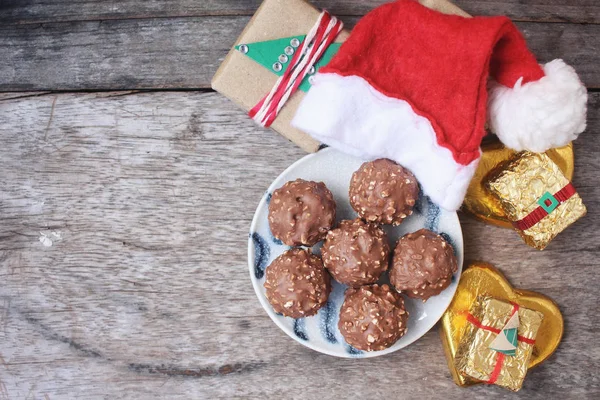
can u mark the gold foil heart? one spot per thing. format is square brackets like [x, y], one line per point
[482, 278]
[485, 206]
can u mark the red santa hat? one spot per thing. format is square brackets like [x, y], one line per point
[410, 84]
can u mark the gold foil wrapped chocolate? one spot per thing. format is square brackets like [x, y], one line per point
[474, 357]
[482, 204]
[480, 278]
[528, 182]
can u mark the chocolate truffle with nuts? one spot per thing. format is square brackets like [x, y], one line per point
[423, 264]
[301, 212]
[383, 192]
[372, 317]
[356, 253]
[297, 285]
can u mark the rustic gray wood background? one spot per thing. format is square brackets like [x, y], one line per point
[126, 192]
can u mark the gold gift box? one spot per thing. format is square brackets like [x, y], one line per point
[483, 279]
[521, 182]
[485, 206]
[474, 357]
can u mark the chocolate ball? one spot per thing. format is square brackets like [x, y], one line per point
[381, 191]
[356, 253]
[297, 284]
[372, 317]
[301, 212]
[423, 264]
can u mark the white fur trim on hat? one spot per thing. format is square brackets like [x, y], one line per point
[347, 113]
[539, 115]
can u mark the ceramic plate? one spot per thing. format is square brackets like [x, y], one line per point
[320, 331]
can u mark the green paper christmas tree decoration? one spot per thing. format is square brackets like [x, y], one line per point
[275, 55]
[507, 340]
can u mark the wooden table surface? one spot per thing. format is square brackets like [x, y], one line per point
[126, 192]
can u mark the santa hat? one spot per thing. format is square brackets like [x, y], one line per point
[410, 85]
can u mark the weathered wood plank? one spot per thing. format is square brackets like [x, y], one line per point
[144, 293]
[37, 11]
[185, 52]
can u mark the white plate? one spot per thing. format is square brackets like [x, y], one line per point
[320, 331]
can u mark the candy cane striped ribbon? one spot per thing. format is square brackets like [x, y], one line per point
[308, 54]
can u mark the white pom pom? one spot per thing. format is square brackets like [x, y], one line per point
[539, 115]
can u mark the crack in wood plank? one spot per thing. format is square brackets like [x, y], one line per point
[222, 370]
[139, 368]
[49, 334]
[50, 119]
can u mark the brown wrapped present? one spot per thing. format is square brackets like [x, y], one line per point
[536, 196]
[498, 342]
[245, 81]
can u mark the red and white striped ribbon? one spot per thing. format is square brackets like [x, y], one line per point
[308, 54]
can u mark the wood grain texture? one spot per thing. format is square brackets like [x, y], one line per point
[48, 11]
[146, 199]
[185, 52]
